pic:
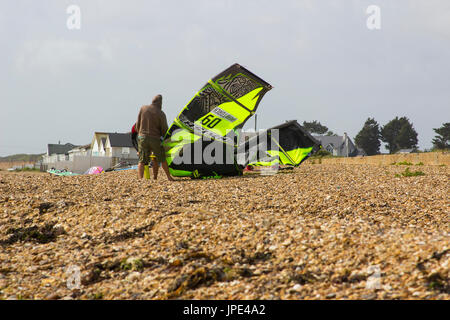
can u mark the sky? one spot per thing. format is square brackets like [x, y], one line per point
[324, 63]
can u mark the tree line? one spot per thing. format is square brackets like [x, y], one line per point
[397, 134]
[22, 157]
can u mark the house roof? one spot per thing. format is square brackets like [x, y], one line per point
[59, 148]
[120, 140]
[336, 141]
[79, 148]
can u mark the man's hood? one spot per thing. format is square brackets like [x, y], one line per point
[157, 101]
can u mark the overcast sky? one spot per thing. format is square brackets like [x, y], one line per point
[324, 63]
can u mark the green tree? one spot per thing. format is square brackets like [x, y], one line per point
[315, 127]
[407, 137]
[442, 140]
[399, 133]
[369, 137]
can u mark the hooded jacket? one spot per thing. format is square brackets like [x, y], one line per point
[152, 121]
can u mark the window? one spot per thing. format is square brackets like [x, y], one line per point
[330, 148]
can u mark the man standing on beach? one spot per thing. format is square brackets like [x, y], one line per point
[151, 125]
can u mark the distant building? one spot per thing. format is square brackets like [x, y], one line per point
[405, 151]
[57, 152]
[106, 150]
[341, 146]
[114, 145]
[80, 151]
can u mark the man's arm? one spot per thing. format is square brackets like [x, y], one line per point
[164, 126]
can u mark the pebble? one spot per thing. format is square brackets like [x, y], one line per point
[133, 276]
[370, 296]
[53, 296]
[3, 283]
[373, 283]
[297, 287]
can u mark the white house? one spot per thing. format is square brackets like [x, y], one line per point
[80, 151]
[114, 145]
[341, 146]
[98, 144]
[57, 152]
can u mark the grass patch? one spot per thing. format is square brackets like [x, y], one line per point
[419, 164]
[438, 282]
[404, 163]
[132, 264]
[322, 153]
[408, 173]
[26, 170]
[96, 296]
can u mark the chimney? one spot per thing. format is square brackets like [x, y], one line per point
[346, 144]
[59, 141]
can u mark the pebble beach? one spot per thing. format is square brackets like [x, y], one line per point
[320, 231]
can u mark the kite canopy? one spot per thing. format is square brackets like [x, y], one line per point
[94, 170]
[287, 144]
[203, 139]
[209, 122]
